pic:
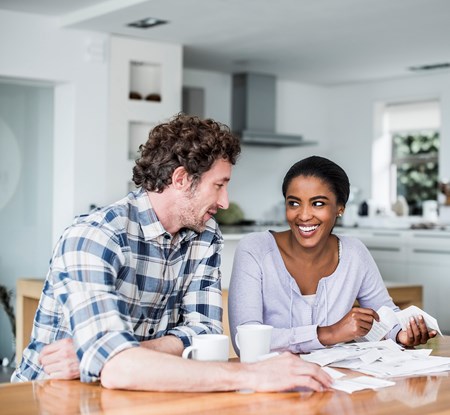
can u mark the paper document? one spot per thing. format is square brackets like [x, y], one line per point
[389, 318]
[360, 383]
[382, 359]
[403, 317]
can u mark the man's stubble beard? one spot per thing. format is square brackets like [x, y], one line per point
[189, 217]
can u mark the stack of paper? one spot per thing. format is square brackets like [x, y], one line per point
[383, 359]
[357, 383]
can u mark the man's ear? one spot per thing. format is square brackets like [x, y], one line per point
[180, 178]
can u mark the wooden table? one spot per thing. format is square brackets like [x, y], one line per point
[419, 395]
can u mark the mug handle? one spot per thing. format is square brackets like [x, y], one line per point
[237, 341]
[188, 351]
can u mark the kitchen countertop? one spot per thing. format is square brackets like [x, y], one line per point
[231, 232]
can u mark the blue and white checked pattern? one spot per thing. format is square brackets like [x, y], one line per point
[118, 278]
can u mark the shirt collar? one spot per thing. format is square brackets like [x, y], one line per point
[150, 224]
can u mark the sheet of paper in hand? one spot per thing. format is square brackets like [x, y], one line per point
[389, 318]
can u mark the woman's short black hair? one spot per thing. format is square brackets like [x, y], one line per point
[325, 170]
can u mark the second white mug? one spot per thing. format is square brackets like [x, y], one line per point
[212, 347]
[253, 341]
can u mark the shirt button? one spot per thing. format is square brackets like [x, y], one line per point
[166, 236]
[151, 331]
[163, 299]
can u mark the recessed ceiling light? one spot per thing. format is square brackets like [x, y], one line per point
[443, 65]
[147, 23]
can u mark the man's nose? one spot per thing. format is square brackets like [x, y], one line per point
[223, 199]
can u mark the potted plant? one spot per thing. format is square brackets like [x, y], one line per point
[6, 301]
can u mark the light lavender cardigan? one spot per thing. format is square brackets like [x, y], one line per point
[262, 291]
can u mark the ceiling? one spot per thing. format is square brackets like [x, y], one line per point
[324, 42]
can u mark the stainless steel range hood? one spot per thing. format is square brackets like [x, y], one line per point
[254, 111]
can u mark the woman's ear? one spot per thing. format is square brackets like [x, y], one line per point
[180, 178]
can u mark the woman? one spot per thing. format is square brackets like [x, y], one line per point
[304, 281]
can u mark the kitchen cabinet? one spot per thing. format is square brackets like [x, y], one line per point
[145, 90]
[388, 248]
[428, 263]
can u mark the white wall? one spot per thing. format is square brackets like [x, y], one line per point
[26, 115]
[351, 122]
[217, 88]
[340, 119]
[35, 48]
[257, 177]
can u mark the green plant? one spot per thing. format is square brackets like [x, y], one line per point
[6, 300]
[416, 157]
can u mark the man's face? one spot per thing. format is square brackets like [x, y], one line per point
[203, 201]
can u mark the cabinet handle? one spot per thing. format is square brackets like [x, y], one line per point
[383, 248]
[431, 251]
[418, 235]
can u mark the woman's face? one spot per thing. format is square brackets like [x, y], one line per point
[311, 210]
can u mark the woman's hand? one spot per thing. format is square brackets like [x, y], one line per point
[356, 323]
[416, 333]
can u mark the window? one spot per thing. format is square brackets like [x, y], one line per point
[406, 153]
[415, 166]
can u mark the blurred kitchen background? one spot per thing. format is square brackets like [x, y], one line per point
[363, 82]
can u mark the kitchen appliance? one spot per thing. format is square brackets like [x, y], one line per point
[430, 210]
[254, 111]
[350, 216]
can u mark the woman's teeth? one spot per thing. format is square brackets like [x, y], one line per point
[308, 228]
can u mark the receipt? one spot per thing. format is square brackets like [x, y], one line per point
[389, 318]
[413, 311]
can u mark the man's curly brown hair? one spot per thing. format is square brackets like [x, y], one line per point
[186, 141]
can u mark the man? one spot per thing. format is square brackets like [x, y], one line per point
[129, 285]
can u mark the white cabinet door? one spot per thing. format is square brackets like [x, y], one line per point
[429, 265]
[227, 260]
[388, 249]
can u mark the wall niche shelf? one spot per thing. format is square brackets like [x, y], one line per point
[137, 135]
[145, 81]
[146, 68]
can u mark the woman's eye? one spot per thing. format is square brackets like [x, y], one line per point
[293, 204]
[318, 203]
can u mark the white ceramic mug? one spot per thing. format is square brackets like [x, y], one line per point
[253, 341]
[212, 347]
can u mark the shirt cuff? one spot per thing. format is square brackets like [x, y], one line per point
[185, 338]
[304, 339]
[394, 332]
[102, 350]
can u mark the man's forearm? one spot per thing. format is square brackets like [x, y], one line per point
[142, 369]
[167, 344]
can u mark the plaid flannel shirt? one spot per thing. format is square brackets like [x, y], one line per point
[118, 278]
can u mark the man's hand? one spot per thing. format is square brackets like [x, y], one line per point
[60, 361]
[416, 333]
[287, 372]
[356, 323]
